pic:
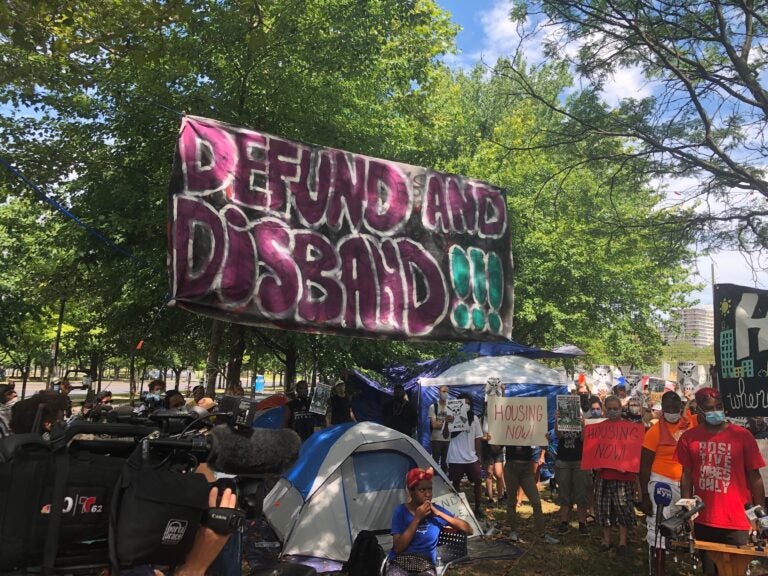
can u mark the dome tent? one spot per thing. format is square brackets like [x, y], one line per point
[349, 478]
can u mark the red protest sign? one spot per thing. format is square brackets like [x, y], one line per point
[613, 444]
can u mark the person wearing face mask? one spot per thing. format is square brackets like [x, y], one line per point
[633, 411]
[8, 398]
[657, 463]
[437, 413]
[721, 465]
[614, 493]
[398, 413]
[595, 409]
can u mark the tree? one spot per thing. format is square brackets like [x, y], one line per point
[92, 93]
[706, 115]
[581, 274]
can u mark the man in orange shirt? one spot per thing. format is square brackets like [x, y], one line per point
[657, 463]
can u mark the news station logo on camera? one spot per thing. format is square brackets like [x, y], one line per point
[78, 505]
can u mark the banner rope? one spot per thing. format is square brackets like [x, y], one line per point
[84, 225]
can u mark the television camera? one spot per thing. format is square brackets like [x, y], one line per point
[130, 473]
[677, 526]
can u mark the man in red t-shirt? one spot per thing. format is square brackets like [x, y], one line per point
[721, 465]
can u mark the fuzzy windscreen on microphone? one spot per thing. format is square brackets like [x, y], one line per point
[253, 452]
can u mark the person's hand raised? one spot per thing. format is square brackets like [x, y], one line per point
[423, 510]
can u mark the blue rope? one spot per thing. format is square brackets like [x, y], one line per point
[87, 227]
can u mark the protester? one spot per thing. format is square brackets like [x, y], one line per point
[657, 462]
[633, 411]
[721, 465]
[398, 413]
[437, 413]
[8, 398]
[463, 454]
[594, 412]
[416, 527]
[492, 460]
[572, 481]
[339, 406]
[302, 421]
[518, 473]
[584, 393]
[614, 492]
[620, 391]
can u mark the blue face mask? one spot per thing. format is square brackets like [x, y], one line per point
[714, 418]
[613, 413]
[596, 413]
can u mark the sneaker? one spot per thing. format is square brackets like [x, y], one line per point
[583, 530]
[479, 514]
[562, 529]
[547, 539]
[503, 499]
[513, 536]
[490, 502]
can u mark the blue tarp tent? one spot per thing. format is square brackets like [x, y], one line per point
[521, 376]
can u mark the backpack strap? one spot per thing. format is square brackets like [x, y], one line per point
[57, 501]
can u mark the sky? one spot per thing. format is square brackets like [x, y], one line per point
[487, 33]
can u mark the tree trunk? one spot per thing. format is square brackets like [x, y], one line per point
[212, 361]
[25, 376]
[291, 359]
[235, 363]
[177, 377]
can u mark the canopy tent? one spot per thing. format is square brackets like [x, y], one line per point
[349, 478]
[514, 349]
[522, 377]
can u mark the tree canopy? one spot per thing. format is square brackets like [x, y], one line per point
[93, 97]
[700, 132]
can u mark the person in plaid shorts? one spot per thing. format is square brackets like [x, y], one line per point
[614, 493]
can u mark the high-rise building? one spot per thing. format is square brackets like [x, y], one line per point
[696, 325]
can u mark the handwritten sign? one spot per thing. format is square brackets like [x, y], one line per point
[456, 503]
[270, 232]
[614, 444]
[741, 348]
[460, 412]
[518, 421]
[568, 414]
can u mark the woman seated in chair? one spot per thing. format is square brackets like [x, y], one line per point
[416, 527]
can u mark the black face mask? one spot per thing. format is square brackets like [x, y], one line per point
[585, 403]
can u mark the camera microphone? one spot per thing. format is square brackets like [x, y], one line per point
[254, 451]
[662, 496]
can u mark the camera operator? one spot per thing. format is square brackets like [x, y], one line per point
[721, 464]
[208, 544]
[52, 407]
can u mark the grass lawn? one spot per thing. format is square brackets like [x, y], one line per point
[575, 555]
